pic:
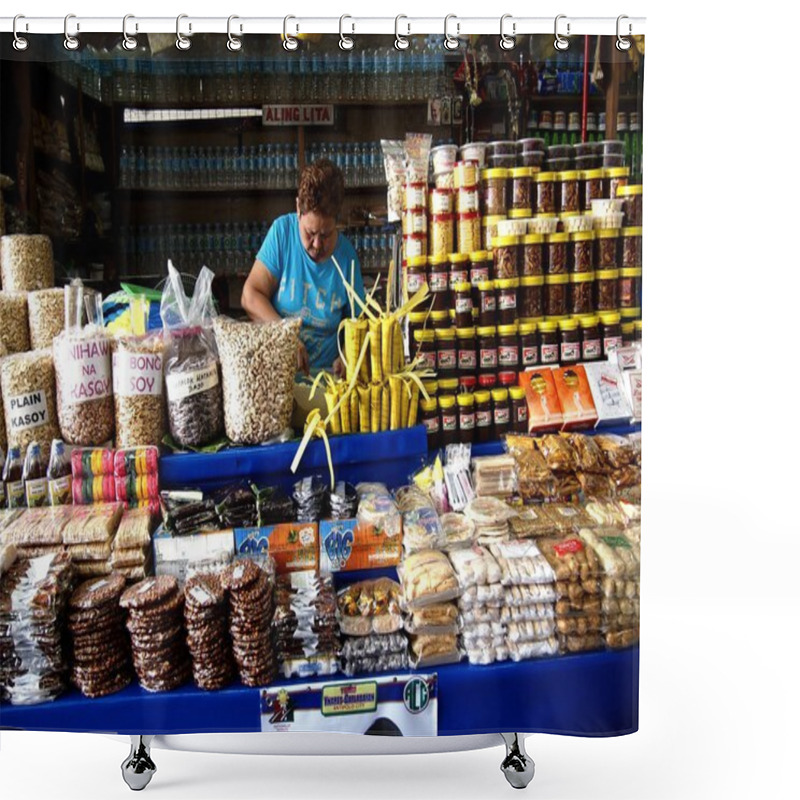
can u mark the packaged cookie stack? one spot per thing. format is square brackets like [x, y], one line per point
[623, 455]
[206, 616]
[93, 475]
[236, 507]
[158, 638]
[371, 621]
[33, 601]
[458, 530]
[592, 467]
[491, 519]
[136, 477]
[535, 481]
[37, 531]
[562, 461]
[100, 650]
[131, 548]
[250, 593]
[305, 632]
[530, 623]
[88, 535]
[421, 527]
[494, 476]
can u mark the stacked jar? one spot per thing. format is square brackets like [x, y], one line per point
[415, 220]
[467, 206]
[630, 279]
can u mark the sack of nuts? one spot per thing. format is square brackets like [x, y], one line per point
[14, 322]
[45, 316]
[259, 361]
[26, 262]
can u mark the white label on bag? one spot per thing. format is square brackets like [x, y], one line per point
[181, 385]
[27, 411]
[88, 377]
[138, 374]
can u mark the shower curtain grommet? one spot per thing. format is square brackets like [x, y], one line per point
[138, 768]
[517, 766]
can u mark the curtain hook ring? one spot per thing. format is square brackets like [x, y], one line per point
[182, 42]
[561, 43]
[400, 42]
[507, 42]
[20, 42]
[71, 42]
[289, 42]
[623, 43]
[234, 42]
[451, 42]
[345, 42]
[128, 42]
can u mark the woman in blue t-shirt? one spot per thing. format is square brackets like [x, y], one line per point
[294, 274]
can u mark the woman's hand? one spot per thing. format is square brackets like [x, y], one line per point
[338, 368]
[302, 358]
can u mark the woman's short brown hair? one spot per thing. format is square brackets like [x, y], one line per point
[321, 189]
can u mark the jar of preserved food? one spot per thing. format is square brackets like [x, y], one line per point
[549, 343]
[448, 386]
[632, 208]
[417, 321]
[441, 235]
[466, 418]
[446, 364]
[631, 247]
[545, 192]
[440, 319]
[468, 200]
[459, 269]
[591, 344]
[507, 348]
[416, 196]
[630, 287]
[630, 314]
[531, 296]
[490, 231]
[614, 178]
[507, 300]
[416, 274]
[581, 251]
[483, 416]
[637, 331]
[610, 332]
[463, 305]
[520, 215]
[568, 184]
[581, 293]
[569, 341]
[469, 232]
[448, 420]
[501, 412]
[465, 173]
[487, 303]
[431, 421]
[415, 221]
[606, 255]
[556, 260]
[533, 254]
[440, 201]
[528, 345]
[426, 349]
[431, 387]
[415, 245]
[627, 333]
[467, 383]
[506, 252]
[555, 295]
[521, 188]
[592, 180]
[480, 268]
[606, 281]
[487, 351]
[439, 281]
[519, 409]
[495, 192]
[467, 351]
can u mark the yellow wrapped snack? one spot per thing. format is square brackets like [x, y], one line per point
[375, 407]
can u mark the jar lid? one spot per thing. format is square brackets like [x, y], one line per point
[569, 175]
[480, 255]
[424, 336]
[547, 326]
[627, 327]
[417, 261]
[568, 325]
[465, 333]
[445, 333]
[486, 330]
[507, 330]
[418, 316]
[627, 313]
[482, 396]
[429, 405]
[452, 313]
[637, 324]
[496, 173]
[627, 191]
[458, 258]
[589, 321]
[500, 395]
[637, 231]
[610, 318]
[521, 172]
[556, 320]
[530, 320]
[517, 393]
[556, 279]
[491, 220]
[466, 400]
[437, 261]
[507, 283]
[531, 280]
[526, 328]
[447, 402]
[469, 216]
[582, 277]
[618, 172]
[440, 315]
[555, 238]
[486, 286]
[448, 384]
[520, 213]
[607, 233]
[505, 241]
[630, 272]
[582, 236]
[467, 382]
[592, 174]
[462, 286]
[607, 274]
[533, 238]
[507, 377]
[431, 387]
[545, 177]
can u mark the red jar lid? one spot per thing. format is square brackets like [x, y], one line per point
[507, 378]
[467, 383]
[487, 381]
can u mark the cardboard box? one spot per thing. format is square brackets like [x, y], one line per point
[628, 357]
[544, 408]
[294, 546]
[609, 393]
[633, 385]
[172, 555]
[575, 397]
[345, 545]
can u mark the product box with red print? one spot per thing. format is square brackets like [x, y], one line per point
[608, 392]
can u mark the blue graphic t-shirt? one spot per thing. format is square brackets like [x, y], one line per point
[313, 292]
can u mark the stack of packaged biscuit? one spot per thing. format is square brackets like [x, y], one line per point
[131, 549]
[88, 535]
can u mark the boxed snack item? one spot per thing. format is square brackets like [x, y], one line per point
[294, 546]
[347, 544]
[633, 387]
[544, 407]
[607, 386]
[575, 396]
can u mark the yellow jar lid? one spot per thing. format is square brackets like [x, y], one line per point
[507, 330]
[447, 402]
[440, 315]
[547, 326]
[452, 313]
[592, 174]
[505, 241]
[532, 280]
[465, 333]
[581, 277]
[500, 395]
[431, 387]
[636, 231]
[569, 214]
[520, 213]
[546, 215]
[555, 238]
[424, 336]
[457, 258]
[517, 393]
[533, 238]
[631, 272]
[417, 261]
[435, 261]
[521, 172]
[555, 320]
[418, 316]
[462, 286]
[628, 313]
[482, 396]
[610, 318]
[631, 189]
[607, 274]
[627, 327]
[607, 233]
[637, 324]
[530, 320]
[465, 400]
[556, 279]
[568, 325]
[589, 320]
[486, 330]
[486, 286]
[526, 328]
[569, 175]
[480, 255]
[545, 177]
[429, 405]
[493, 220]
[497, 173]
[582, 236]
[447, 384]
[507, 283]
[445, 333]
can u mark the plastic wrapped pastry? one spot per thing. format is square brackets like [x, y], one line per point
[475, 566]
[558, 453]
[588, 455]
[458, 530]
[370, 607]
[428, 578]
[521, 563]
[618, 451]
[377, 508]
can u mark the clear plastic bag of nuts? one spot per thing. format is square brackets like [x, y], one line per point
[45, 316]
[14, 322]
[82, 356]
[26, 262]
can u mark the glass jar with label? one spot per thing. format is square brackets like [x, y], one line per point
[531, 296]
[610, 332]
[415, 221]
[487, 351]
[440, 319]
[469, 232]
[506, 252]
[462, 300]
[480, 267]
[441, 235]
[519, 409]
[581, 293]
[487, 303]
[592, 181]
[627, 333]
[446, 363]
[425, 342]
[528, 345]
[439, 281]
[431, 421]
[416, 196]
[467, 383]
[555, 295]
[614, 178]
[440, 201]
[637, 331]
[448, 420]
[630, 314]
[507, 300]
[631, 247]
[466, 418]
[630, 287]
[556, 250]
[431, 387]
[591, 344]
[508, 348]
[415, 245]
[632, 208]
[501, 412]
[568, 187]
[459, 269]
[606, 251]
[533, 254]
[522, 187]
[465, 173]
[545, 192]
[607, 284]
[417, 321]
[549, 343]
[467, 351]
[416, 274]
[570, 341]
[483, 416]
[448, 386]
[495, 192]
[580, 256]
[490, 231]
[468, 200]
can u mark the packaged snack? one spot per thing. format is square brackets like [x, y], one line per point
[558, 453]
[588, 455]
[458, 530]
[532, 521]
[521, 563]
[422, 530]
[377, 508]
[428, 578]
[430, 651]
[569, 517]
[544, 407]
[618, 451]
[596, 487]
[521, 651]
[494, 476]
[370, 607]
[491, 517]
[475, 566]
[435, 619]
